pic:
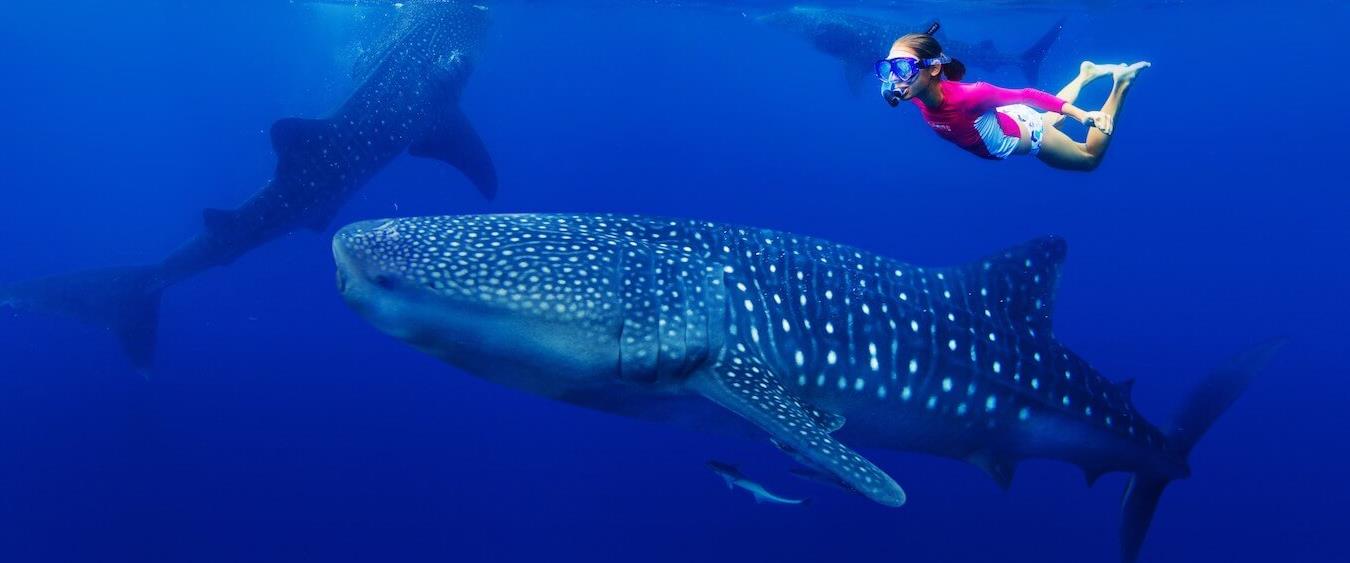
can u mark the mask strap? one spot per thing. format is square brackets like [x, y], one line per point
[941, 59]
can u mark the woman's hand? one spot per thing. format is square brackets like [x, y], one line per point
[1102, 121]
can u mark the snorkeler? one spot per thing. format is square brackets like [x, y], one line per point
[996, 123]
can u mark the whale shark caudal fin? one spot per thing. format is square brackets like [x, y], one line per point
[742, 384]
[123, 300]
[453, 140]
[1198, 412]
[1035, 54]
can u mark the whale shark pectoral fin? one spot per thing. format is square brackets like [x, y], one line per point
[302, 147]
[750, 390]
[856, 76]
[828, 421]
[453, 140]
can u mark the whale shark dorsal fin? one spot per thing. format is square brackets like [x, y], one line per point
[453, 140]
[744, 385]
[1020, 282]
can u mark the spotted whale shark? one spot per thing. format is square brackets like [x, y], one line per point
[760, 332]
[857, 41]
[407, 99]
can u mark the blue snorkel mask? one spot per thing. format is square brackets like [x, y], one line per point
[904, 70]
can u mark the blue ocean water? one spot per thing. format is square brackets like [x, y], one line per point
[280, 426]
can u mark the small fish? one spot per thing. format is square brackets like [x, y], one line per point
[735, 478]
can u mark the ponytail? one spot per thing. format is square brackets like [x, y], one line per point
[954, 70]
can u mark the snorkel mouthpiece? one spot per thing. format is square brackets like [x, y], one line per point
[889, 94]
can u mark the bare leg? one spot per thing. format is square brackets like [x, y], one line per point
[1097, 141]
[1059, 151]
[1087, 72]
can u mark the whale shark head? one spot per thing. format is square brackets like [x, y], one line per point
[504, 297]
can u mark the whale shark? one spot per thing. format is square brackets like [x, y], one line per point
[857, 41]
[758, 332]
[406, 99]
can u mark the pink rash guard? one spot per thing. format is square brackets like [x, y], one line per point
[964, 104]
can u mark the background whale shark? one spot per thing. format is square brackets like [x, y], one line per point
[406, 98]
[756, 331]
[858, 41]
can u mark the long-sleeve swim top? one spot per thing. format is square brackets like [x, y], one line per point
[964, 103]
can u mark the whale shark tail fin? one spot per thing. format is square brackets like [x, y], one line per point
[453, 140]
[1198, 412]
[1032, 58]
[125, 301]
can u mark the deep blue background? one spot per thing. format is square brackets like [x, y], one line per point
[281, 427]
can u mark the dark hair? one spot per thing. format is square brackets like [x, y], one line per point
[926, 47]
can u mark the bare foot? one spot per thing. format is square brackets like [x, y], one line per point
[1125, 74]
[1089, 71]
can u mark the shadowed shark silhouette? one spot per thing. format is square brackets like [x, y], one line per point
[407, 98]
[858, 41]
[756, 331]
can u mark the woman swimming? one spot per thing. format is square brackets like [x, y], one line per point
[993, 122]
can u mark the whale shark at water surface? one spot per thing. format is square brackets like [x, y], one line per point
[745, 330]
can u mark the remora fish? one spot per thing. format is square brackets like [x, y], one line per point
[407, 99]
[814, 343]
[734, 478]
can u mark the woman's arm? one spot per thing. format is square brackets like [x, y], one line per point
[987, 96]
[1101, 121]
